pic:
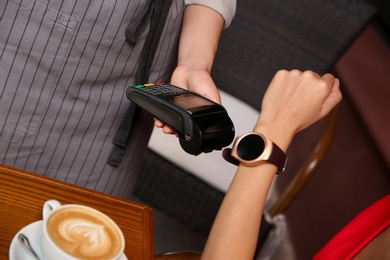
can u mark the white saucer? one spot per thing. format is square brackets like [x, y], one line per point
[33, 232]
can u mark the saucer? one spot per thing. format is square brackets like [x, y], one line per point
[33, 231]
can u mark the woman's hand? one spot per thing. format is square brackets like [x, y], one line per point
[294, 101]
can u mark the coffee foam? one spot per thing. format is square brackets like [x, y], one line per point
[83, 233]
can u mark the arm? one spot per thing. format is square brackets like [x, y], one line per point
[198, 44]
[293, 101]
[227, 8]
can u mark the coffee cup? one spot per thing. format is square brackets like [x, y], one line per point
[73, 231]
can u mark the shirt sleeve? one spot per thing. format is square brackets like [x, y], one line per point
[227, 8]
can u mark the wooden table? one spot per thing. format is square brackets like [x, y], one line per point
[22, 195]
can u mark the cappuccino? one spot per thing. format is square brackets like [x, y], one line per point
[84, 233]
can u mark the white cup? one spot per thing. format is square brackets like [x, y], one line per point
[72, 231]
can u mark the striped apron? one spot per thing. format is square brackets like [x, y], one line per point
[64, 68]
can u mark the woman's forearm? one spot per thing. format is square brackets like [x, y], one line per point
[236, 228]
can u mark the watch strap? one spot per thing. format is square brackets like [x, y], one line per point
[226, 154]
[277, 157]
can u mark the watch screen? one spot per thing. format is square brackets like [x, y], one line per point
[250, 147]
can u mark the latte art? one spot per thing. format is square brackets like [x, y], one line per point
[88, 237]
[84, 233]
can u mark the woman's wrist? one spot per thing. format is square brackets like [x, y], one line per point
[277, 135]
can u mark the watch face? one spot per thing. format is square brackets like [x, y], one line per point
[251, 147]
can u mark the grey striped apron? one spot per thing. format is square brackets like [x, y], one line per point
[64, 68]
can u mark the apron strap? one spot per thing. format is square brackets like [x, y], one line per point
[155, 11]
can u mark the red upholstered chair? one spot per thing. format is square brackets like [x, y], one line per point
[367, 236]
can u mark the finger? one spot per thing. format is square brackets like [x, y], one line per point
[158, 123]
[310, 73]
[165, 128]
[334, 97]
[168, 130]
[329, 79]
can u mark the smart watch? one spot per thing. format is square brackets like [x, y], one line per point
[253, 149]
